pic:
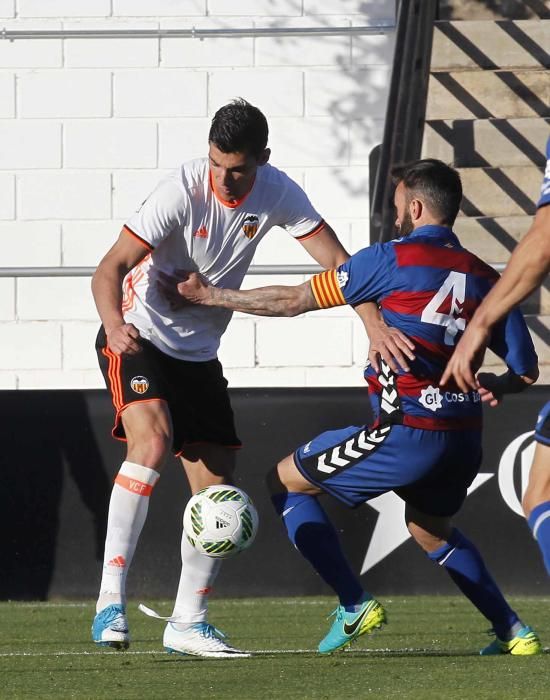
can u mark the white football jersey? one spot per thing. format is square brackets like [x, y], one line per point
[187, 227]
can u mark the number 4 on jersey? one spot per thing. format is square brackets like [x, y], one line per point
[454, 286]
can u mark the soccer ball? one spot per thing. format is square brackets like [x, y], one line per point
[220, 521]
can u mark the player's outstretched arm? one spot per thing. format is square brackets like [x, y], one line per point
[325, 248]
[527, 268]
[277, 300]
[384, 342]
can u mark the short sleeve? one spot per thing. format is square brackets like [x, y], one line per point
[298, 216]
[364, 277]
[163, 210]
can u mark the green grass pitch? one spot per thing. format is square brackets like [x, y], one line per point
[429, 650]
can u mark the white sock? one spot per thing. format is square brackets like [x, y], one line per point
[197, 576]
[127, 512]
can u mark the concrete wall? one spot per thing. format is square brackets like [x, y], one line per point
[88, 126]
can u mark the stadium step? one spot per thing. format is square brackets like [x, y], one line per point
[487, 142]
[488, 114]
[495, 9]
[492, 238]
[481, 94]
[490, 45]
[500, 191]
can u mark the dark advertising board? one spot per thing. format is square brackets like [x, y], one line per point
[58, 463]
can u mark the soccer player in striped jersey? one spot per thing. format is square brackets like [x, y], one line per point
[426, 441]
[160, 361]
[526, 270]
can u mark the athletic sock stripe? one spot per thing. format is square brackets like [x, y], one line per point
[140, 488]
[538, 522]
[442, 561]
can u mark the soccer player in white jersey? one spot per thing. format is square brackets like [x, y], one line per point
[160, 361]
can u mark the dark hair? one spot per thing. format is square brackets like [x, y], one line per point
[438, 184]
[239, 127]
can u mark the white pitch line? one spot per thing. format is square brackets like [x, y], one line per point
[263, 652]
[43, 604]
[121, 654]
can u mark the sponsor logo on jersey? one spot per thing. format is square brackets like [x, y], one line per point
[201, 233]
[250, 225]
[430, 398]
[139, 384]
[342, 278]
[459, 397]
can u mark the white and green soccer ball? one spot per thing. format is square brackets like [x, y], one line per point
[220, 521]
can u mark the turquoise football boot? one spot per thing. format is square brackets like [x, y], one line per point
[525, 643]
[349, 625]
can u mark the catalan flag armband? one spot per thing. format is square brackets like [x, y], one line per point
[326, 289]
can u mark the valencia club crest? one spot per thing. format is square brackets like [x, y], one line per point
[250, 225]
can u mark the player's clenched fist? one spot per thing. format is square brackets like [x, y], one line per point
[123, 340]
[183, 288]
[195, 289]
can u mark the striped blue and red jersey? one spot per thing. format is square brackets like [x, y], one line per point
[428, 286]
[545, 188]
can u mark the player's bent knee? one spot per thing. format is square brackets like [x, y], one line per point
[290, 479]
[279, 478]
[149, 450]
[429, 539]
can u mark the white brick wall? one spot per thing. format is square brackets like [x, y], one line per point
[30, 144]
[88, 126]
[107, 53]
[7, 95]
[7, 196]
[7, 300]
[7, 8]
[70, 93]
[63, 8]
[64, 195]
[110, 144]
[159, 8]
[161, 93]
[30, 244]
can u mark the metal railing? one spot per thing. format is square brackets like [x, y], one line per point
[405, 113]
[381, 27]
[17, 272]
[89, 271]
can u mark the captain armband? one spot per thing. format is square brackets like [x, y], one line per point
[326, 289]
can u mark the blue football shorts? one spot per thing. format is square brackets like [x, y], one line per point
[430, 470]
[542, 428]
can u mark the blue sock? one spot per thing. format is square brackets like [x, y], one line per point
[315, 538]
[467, 569]
[539, 522]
